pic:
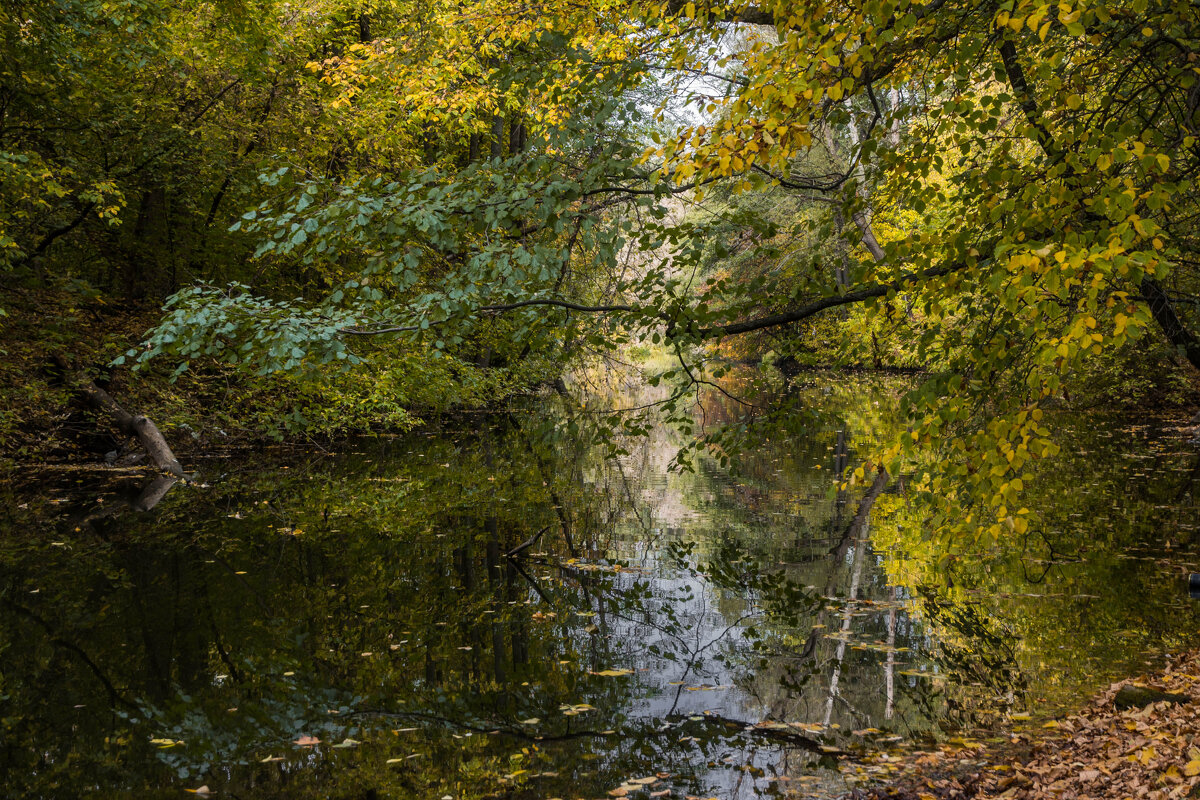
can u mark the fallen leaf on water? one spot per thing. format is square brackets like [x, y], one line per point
[203, 791]
[613, 673]
[347, 742]
[307, 741]
[530, 721]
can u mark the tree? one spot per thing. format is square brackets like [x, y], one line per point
[1033, 162]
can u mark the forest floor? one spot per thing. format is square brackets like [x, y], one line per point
[1115, 748]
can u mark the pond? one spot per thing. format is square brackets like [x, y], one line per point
[501, 607]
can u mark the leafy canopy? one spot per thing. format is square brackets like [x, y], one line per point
[1014, 182]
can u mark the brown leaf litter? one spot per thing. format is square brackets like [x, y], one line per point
[1100, 753]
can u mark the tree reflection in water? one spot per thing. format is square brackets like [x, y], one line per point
[492, 608]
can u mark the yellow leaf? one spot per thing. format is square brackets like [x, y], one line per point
[1192, 768]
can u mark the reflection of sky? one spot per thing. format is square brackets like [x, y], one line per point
[712, 672]
[779, 512]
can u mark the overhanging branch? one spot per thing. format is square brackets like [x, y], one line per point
[831, 301]
[494, 309]
[732, 329]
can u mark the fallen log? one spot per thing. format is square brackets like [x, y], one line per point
[138, 426]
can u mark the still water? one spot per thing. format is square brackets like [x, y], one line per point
[499, 607]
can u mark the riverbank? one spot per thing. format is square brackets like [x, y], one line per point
[1139, 738]
[55, 342]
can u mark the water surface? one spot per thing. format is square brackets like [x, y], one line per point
[735, 632]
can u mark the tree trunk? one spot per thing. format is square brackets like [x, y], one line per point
[1163, 311]
[136, 425]
[497, 142]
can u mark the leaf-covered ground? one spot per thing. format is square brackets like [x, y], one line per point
[1101, 752]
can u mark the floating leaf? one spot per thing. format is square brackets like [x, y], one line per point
[164, 744]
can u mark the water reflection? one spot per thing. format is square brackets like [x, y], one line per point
[495, 608]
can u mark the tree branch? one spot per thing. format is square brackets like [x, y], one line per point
[1020, 87]
[831, 301]
[495, 309]
[1172, 326]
